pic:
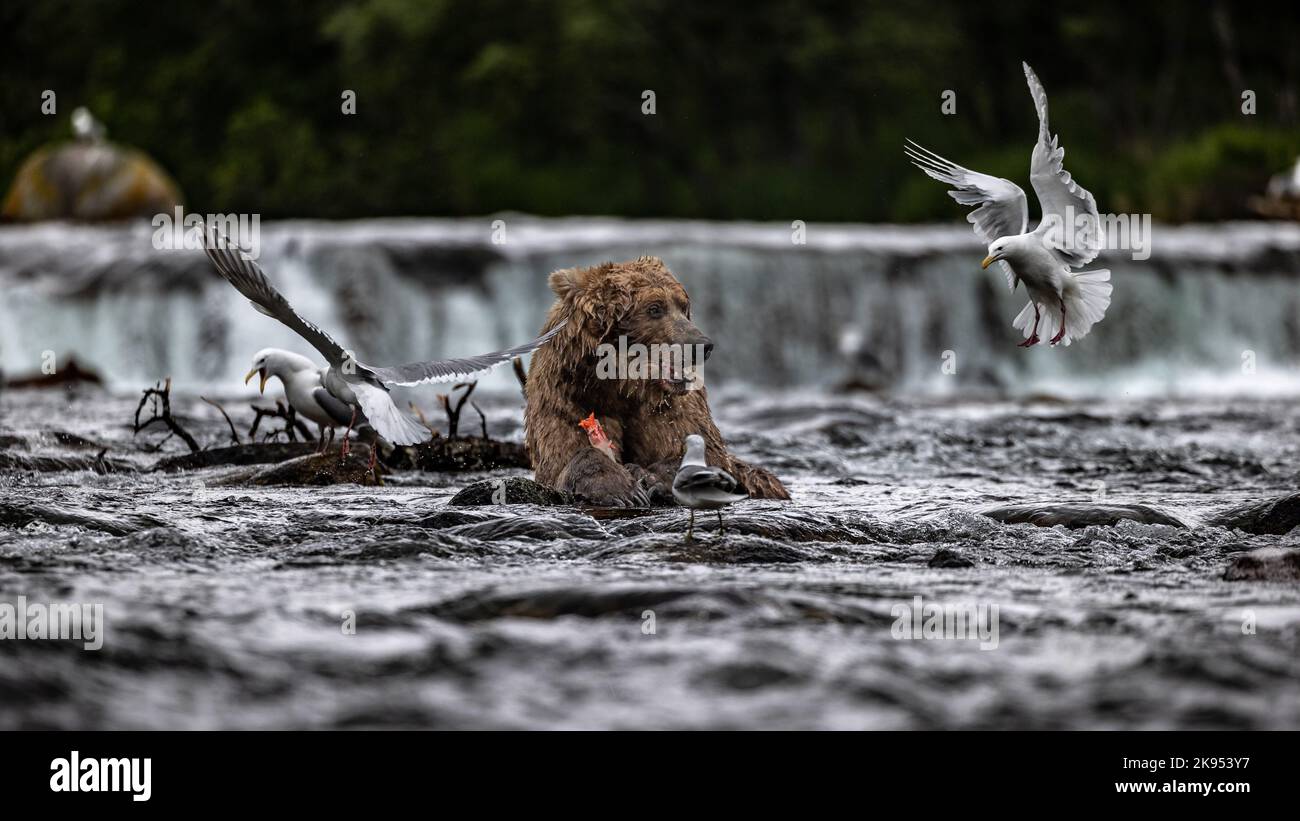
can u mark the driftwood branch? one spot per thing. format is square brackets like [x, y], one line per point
[161, 395]
[481, 418]
[453, 411]
[234, 437]
[292, 423]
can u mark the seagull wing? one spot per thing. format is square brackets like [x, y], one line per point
[386, 418]
[446, 370]
[1003, 208]
[704, 477]
[249, 279]
[337, 409]
[1064, 201]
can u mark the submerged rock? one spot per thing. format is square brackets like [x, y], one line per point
[1269, 517]
[943, 557]
[21, 514]
[1076, 515]
[54, 464]
[1267, 564]
[510, 490]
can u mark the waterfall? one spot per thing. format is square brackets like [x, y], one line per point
[1215, 309]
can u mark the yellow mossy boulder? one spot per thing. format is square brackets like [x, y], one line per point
[89, 179]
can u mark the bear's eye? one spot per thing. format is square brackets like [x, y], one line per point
[655, 311]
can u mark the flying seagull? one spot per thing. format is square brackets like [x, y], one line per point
[362, 388]
[701, 487]
[1068, 236]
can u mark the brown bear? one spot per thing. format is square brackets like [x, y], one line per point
[646, 417]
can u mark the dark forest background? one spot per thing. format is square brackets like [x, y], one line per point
[765, 110]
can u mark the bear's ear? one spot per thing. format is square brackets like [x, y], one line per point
[568, 283]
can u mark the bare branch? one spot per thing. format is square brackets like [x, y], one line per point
[234, 437]
[162, 412]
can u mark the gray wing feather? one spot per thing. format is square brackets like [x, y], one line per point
[695, 477]
[446, 370]
[337, 409]
[1058, 193]
[1003, 208]
[249, 279]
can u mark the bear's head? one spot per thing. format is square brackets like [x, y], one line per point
[632, 323]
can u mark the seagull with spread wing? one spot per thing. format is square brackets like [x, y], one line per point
[1068, 236]
[364, 389]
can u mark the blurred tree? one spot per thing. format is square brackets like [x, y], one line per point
[776, 109]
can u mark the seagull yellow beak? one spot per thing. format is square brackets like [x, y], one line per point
[262, 387]
[987, 262]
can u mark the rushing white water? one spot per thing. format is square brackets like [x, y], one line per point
[1211, 302]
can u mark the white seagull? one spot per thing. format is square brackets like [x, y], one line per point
[1068, 236]
[362, 388]
[304, 389]
[701, 487]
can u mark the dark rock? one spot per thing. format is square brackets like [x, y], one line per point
[1269, 517]
[709, 548]
[263, 453]
[1076, 515]
[943, 557]
[444, 519]
[54, 464]
[1266, 564]
[750, 675]
[517, 491]
[556, 602]
[312, 471]
[69, 373]
[464, 453]
[778, 525]
[21, 514]
[544, 528]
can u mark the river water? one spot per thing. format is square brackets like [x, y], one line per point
[350, 607]
[226, 606]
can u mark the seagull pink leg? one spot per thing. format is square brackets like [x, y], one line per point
[345, 448]
[1061, 332]
[1033, 335]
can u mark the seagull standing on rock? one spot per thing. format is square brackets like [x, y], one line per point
[699, 486]
[364, 389]
[1068, 236]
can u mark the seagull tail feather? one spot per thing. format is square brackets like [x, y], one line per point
[1088, 304]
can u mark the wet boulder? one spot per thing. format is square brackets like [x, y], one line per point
[310, 471]
[1269, 517]
[511, 490]
[1266, 564]
[89, 179]
[945, 558]
[1078, 515]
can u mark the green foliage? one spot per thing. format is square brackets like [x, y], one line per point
[1207, 176]
[777, 109]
